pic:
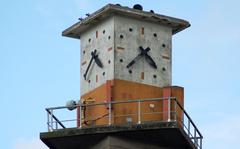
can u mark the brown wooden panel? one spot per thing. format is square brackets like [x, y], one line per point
[126, 90]
[120, 90]
[173, 91]
[96, 115]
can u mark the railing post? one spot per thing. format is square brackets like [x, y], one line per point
[51, 111]
[200, 142]
[169, 109]
[188, 127]
[175, 109]
[139, 112]
[109, 113]
[56, 125]
[80, 115]
[195, 138]
[48, 121]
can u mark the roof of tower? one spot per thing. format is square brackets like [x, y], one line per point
[77, 29]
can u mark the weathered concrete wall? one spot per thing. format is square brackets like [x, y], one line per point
[130, 34]
[117, 41]
[100, 37]
[113, 142]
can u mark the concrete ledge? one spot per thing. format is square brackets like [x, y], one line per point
[159, 135]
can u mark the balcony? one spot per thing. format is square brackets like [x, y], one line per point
[161, 114]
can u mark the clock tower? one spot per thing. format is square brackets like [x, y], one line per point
[127, 97]
[126, 54]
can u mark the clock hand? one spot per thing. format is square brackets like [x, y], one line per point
[150, 61]
[144, 51]
[134, 60]
[97, 60]
[85, 74]
[148, 57]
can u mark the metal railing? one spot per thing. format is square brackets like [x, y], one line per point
[170, 111]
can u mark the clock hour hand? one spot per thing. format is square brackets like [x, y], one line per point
[98, 62]
[96, 59]
[150, 61]
[90, 63]
[134, 60]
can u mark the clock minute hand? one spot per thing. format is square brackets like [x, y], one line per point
[134, 60]
[85, 74]
[150, 61]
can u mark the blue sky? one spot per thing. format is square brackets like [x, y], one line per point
[39, 68]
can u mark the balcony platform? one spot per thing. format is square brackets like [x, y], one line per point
[150, 135]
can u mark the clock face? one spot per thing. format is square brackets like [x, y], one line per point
[125, 49]
[143, 52]
[97, 56]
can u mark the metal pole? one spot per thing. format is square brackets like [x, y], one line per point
[56, 125]
[188, 127]
[195, 138]
[200, 143]
[139, 112]
[169, 109]
[51, 119]
[109, 113]
[175, 109]
[80, 115]
[48, 121]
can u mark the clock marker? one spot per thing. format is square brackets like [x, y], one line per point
[84, 62]
[109, 49]
[96, 78]
[96, 34]
[142, 30]
[142, 75]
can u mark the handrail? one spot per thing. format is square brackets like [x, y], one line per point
[112, 102]
[56, 119]
[193, 134]
[188, 117]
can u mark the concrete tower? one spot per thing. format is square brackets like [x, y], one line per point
[127, 97]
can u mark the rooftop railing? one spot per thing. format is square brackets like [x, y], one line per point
[58, 118]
